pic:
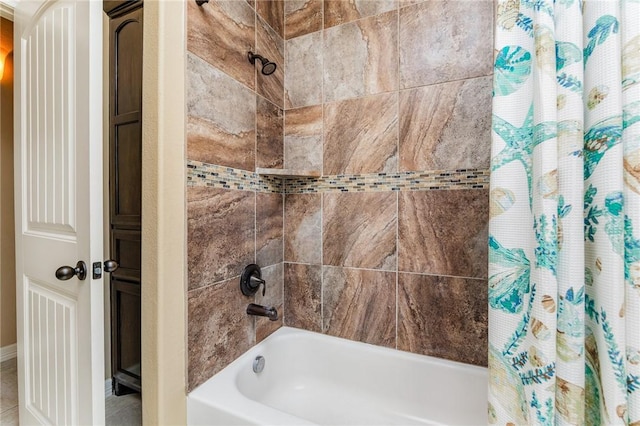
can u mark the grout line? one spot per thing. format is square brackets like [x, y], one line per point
[322, 104]
[397, 259]
[344, 267]
[284, 274]
[255, 46]
[255, 227]
[284, 142]
[234, 277]
[376, 15]
[302, 263]
[322, 263]
[391, 271]
[322, 148]
[443, 275]
[439, 83]
[398, 157]
[284, 70]
[267, 22]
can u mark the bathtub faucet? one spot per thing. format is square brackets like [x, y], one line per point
[262, 311]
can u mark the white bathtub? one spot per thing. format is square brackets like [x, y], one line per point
[310, 378]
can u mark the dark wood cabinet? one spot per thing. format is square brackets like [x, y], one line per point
[125, 190]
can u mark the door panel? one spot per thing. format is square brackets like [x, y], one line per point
[125, 300]
[126, 250]
[129, 66]
[58, 178]
[52, 385]
[50, 145]
[127, 202]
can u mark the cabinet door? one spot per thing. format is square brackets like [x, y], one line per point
[125, 193]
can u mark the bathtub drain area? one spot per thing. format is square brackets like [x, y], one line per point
[340, 405]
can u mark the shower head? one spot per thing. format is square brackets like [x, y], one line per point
[267, 66]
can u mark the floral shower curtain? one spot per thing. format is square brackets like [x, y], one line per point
[564, 236]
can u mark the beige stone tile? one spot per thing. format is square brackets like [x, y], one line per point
[444, 40]
[269, 134]
[8, 385]
[217, 133]
[360, 305]
[302, 228]
[444, 232]
[222, 32]
[361, 58]
[274, 297]
[271, 46]
[123, 410]
[361, 135]
[303, 62]
[405, 3]
[337, 12]
[219, 329]
[444, 317]
[359, 230]
[303, 138]
[272, 11]
[10, 417]
[269, 228]
[446, 126]
[303, 296]
[302, 17]
[220, 234]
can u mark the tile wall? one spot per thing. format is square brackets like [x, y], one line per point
[391, 100]
[382, 96]
[235, 124]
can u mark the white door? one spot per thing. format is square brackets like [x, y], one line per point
[58, 167]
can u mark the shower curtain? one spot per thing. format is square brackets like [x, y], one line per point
[564, 234]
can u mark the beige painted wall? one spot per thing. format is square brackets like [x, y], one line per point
[163, 210]
[7, 245]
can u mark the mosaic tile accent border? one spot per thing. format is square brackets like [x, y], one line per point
[203, 174]
[402, 181]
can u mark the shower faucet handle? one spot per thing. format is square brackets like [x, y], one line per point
[255, 282]
[251, 279]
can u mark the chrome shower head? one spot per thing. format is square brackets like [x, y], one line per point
[268, 67]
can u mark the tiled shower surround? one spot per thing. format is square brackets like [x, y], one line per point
[391, 100]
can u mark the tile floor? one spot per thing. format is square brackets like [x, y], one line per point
[124, 410]
[121, 410]
[9, 393]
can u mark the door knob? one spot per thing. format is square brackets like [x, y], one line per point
[64, 273]
[110, 265]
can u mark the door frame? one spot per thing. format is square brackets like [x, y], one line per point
[164, 227]
[164, 209]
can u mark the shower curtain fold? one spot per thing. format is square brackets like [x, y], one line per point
[564, 233]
